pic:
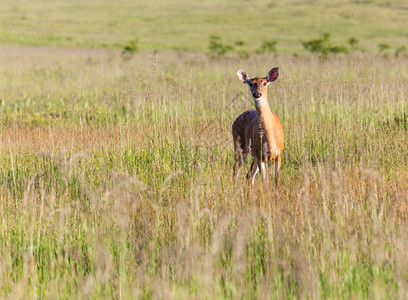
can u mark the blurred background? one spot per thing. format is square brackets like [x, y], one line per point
[213, 26]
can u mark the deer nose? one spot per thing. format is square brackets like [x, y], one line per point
[257, 95]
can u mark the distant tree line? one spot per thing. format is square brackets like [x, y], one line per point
[322, 46]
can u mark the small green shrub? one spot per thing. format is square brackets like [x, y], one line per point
[217, 47]
[338, 49]
[131, 47]
[241, 52]
[401, 50]
[324, 46]
[354, 44]
[239, 43]
[384, 49]
[268, 46]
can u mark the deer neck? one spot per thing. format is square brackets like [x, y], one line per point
[263, 112]
[265, 122]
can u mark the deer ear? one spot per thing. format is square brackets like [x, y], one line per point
[242, 76]
[272, 75]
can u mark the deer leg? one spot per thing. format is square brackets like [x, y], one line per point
[253, 170]
[237, 168]
[277, 162]
[239, 158]
[248, 175]
[262, 167]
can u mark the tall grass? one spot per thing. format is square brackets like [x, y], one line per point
[115, 178]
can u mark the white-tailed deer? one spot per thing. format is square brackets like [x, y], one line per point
[258, 132]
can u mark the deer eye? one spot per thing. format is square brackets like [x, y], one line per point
[251, 84]
[264, 83]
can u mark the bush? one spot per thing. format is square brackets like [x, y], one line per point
[354, 44]
[131, 47]
[384, 49]
[400, 50]
[241, 52]
[239, 43]
[268, 46]
[217, 48]
[324, 46]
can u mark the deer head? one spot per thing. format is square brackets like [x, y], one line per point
[258, 85]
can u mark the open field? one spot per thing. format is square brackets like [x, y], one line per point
[115, 178]
[187, 25]
[115, 170]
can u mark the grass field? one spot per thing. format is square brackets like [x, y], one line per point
[116, 178]
[187, 25]
[115, 171]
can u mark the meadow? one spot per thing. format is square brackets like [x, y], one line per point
[186, 25]
[116, 178]
[116, 170]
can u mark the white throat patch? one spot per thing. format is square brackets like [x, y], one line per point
[260, 101]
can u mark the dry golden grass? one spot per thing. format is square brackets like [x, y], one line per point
[115, 178]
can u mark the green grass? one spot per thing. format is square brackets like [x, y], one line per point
[115, 177]
[187, 25]
[115, 170]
